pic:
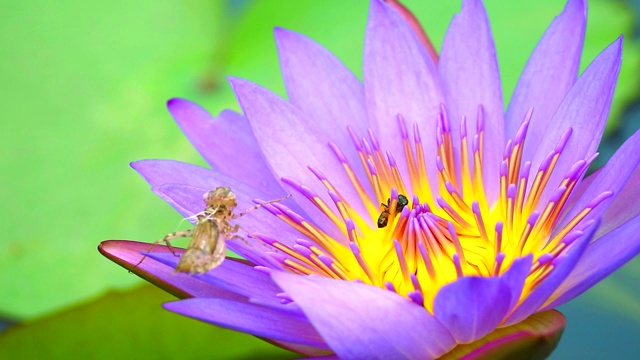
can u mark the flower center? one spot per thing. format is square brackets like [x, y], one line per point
[445, 226]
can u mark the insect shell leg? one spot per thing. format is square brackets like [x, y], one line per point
[235, 216]
[175, 235]
[167, 240]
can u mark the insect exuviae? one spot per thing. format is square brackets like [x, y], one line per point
[207, 247]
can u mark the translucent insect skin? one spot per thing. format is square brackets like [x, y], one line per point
[207, 248]
[383, 219]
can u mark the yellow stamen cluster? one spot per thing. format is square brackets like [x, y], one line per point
[437, 237]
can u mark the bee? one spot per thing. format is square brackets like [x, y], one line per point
[383, 219]
[207, 247]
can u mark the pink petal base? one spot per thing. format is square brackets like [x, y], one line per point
[127, 254]
[534, 338]
[112, 250]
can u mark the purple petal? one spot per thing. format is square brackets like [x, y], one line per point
[400, 78]
[311, 352]
[625, 206]
[253, 319]
[563, 265]
[622, 164]
[160, 172]
[257, 251]
[360, 321]
[322, 87]
[585, 110]
[470, 77]
[602, 257]
[472, 307]
[196, 181]
[236, 276]
[129, 253]
[516, 276]
[224, 140]
[163, 172]
[550, 72]
[187, 200]
[291, 142]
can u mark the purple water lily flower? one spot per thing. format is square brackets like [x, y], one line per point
[500, 223]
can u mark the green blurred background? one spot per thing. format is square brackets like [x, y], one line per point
[84, 87]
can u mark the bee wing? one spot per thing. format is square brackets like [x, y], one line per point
[383, 219]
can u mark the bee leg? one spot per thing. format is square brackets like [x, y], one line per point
[166, 240]
[235, 216]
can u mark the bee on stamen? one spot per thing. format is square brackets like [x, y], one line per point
[207, 248]
[383, 219]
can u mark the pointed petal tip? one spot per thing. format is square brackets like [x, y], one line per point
[173, 102]
[242, 89]
[140, 166]
[576, 6]
[233, 81]
[615, 47]
[377, 5]
[110, 249]
[468, 4]
[177, 103]
[240, 85]
[620, 39]
[468, 8]
[105, 247]
[128, 253]
[289, 40]
[108, 245]
[171, 305]
[280, 32]
[286, 41]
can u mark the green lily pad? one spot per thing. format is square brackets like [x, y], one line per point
[130, 325]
